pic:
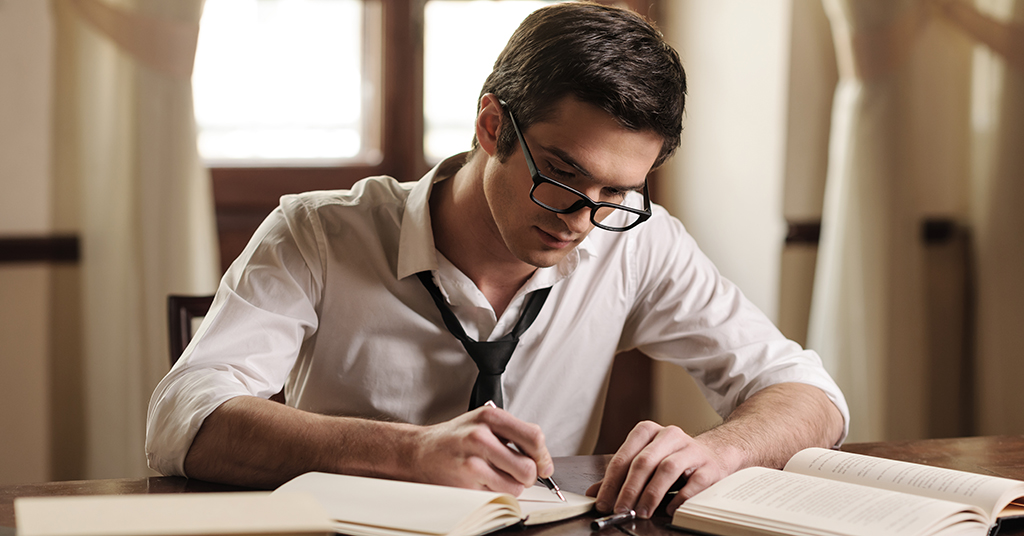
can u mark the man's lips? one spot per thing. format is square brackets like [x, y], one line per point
[553, 240]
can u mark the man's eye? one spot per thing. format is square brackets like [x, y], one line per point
[615, 193]
[560, 173]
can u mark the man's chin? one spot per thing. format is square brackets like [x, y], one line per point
[538, 252]
[545, 259]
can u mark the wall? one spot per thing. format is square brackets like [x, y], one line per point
[25, 61]
[812, 82]
[725, 183]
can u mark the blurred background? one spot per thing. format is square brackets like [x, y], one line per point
[855, 166]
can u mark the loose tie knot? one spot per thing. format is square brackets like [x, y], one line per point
[491, 357]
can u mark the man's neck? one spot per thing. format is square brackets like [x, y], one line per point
[465, 233]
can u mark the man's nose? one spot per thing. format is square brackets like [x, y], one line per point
[579, 221]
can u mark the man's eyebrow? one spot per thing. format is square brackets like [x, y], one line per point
[565, 157]
[568, 159]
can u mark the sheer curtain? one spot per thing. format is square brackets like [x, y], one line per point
[997, 209]
[906, 144]
[129, 180]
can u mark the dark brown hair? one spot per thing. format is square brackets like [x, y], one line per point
[608, 57]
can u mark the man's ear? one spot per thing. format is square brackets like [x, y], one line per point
[488, 123]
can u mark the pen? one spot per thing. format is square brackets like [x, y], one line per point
[548, 482]
[614, 519]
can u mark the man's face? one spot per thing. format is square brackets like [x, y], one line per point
[581, 146]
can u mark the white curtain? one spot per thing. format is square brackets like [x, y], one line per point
[904, 146]
[997, 211]
[129, 180]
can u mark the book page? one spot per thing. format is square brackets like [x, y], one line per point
[990, 493]
[377, 506]
[540, 505]
[779, 502]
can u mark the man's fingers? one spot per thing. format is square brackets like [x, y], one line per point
[652, 461]
[496, 453]
[700, 480]
[669, 472]
[489, 477]
[619, 466]
[653, 470]
[472, 451]
[527, 438]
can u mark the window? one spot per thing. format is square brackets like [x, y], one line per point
[297, 95]
[458, 54]
[287, 82]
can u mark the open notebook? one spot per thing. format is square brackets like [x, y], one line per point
[377, 507]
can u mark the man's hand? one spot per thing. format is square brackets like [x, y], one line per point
[471, 451]
[254, 442]
[766, 429]
[649, 462]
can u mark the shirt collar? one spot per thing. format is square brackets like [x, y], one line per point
[416, 250]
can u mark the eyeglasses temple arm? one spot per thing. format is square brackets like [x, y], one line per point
[522, 141]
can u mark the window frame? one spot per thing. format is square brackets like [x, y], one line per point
[244, 196]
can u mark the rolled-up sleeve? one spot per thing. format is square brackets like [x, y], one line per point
[265, 309]
[688, 314]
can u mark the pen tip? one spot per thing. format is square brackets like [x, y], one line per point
[560, 496]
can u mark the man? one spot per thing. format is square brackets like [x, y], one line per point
[340, 297]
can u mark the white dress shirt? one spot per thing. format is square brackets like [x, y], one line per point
[324, 302]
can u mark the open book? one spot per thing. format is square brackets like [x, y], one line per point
[838, 493]
[376, 507]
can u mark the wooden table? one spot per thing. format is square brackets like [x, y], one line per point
[1000, 456]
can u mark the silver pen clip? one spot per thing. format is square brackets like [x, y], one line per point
[614, 519]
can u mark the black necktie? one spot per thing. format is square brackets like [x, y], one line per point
[490, 356]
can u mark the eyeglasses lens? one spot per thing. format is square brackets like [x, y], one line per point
[559, 199]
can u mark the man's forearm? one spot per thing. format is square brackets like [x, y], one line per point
[259, 443]
[775, 423]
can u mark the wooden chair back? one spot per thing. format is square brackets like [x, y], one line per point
[181, 310]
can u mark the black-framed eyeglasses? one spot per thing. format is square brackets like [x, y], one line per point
[563, 199]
